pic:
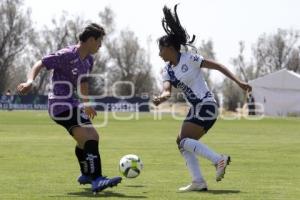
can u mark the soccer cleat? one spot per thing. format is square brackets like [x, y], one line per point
[194, 187]
[102, 183]
[83, 179]
[221, 167]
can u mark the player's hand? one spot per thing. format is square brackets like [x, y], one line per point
[90, 112]
[245, 86]
[156, 100]
[24, 88]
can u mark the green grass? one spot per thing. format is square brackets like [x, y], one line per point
[37, 159]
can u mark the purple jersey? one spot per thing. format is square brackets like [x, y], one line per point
[67, 67]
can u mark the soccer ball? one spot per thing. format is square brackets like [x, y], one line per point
[130, 166]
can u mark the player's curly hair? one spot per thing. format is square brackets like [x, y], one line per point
[176, 34]
[91, 30]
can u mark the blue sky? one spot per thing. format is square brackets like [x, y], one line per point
[226, 22]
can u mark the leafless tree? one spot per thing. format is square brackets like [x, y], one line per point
[233, 96]
[270, 53]
[62, 32]
[294, 61]
[130, 64]
[206, 49]
[276, 51]
[15, 31]
[124, 59]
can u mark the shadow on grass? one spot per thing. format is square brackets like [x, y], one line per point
[218, 191]
[223, 191]
[135, 186]
[88, 193]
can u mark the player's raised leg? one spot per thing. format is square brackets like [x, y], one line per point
[190, 135]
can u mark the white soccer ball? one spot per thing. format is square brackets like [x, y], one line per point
[130, 166]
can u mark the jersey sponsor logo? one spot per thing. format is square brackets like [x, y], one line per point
[192, 98]
[184, 68]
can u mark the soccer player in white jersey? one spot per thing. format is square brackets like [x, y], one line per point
[184, 71]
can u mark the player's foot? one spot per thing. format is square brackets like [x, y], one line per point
[221, 167]
[83, 179]
[194, 187]
[102, 183]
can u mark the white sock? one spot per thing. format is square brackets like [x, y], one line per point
[199, 149]
[193, 166]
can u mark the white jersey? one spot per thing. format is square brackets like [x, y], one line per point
[188, 76]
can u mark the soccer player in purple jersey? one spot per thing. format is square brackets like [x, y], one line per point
[70, 67]
[183, 71]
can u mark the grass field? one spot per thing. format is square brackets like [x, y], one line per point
[37, 159]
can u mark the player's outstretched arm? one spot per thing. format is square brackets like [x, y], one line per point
[165, 95]
[214, 65]
[24, 88]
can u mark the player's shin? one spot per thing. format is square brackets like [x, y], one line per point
[80, 154]
[193, 166]
[199, 149]
[93, 158]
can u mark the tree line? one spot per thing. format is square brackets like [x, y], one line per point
[122, 58]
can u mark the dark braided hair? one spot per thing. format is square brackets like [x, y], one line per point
[176, 34]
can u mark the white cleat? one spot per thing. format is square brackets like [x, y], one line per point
[194, 187]
[221, 167]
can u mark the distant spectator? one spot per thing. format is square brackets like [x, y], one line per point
[6, 100]
[251, 104]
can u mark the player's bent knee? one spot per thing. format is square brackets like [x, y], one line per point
[180, 142]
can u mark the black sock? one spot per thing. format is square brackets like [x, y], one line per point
[80, 154]
[93, 158]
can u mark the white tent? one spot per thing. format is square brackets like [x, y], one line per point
[278, 93]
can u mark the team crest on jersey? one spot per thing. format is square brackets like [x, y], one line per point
[75, 71]
[184, 68]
